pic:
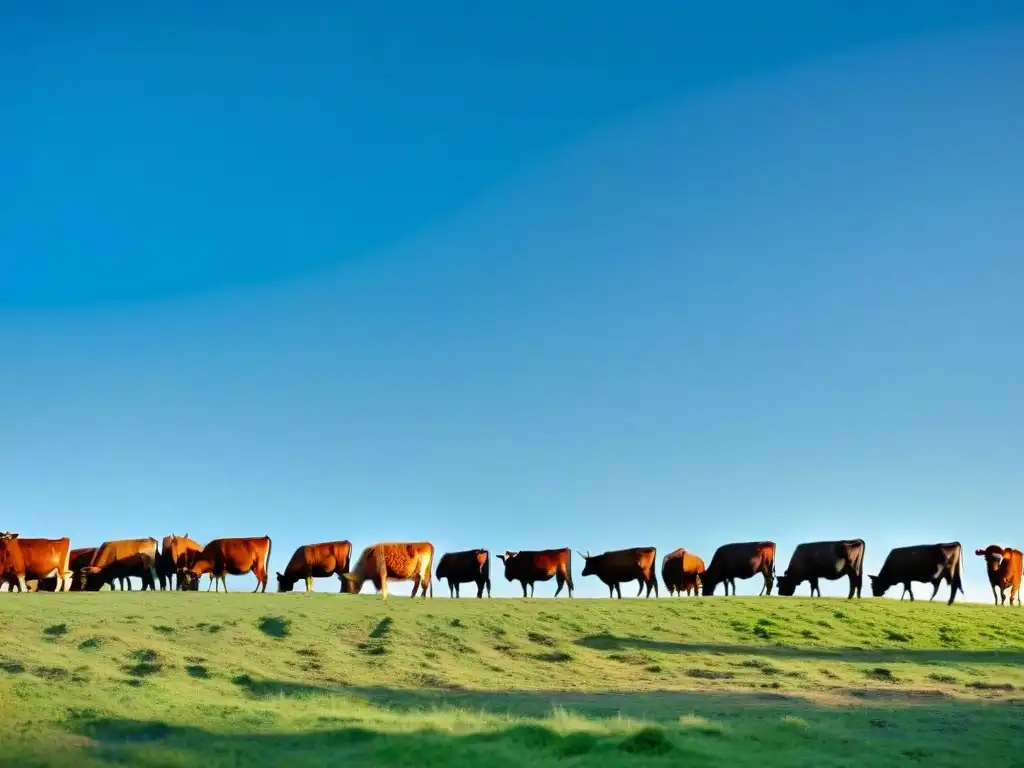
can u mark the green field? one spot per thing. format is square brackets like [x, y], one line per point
[175, 679]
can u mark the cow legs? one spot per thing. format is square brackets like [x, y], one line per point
[560, 580]
[618, 590]
[309, 583]
[909, 591]
[937, 583]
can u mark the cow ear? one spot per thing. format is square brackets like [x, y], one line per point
[279, 575]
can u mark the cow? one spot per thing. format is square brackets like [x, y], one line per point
[315, 561]
[1004, 571]
[928, 563]
[77, 560]
[234, 556]
[470, 566]
[615, 567]
[740, 561]
[397, 561]
[176, 552]
[121, 559]
[824, 560]
[529, 567]
[680, 570]
[35, 559]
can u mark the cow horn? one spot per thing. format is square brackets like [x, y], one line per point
[581, 554]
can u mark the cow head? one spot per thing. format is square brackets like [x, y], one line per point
[508, 558]
[351, 584]
[707, 587]
[8, 536]
[993, 555]
[589, 566]
[188, 579]
[786, 584]
[87, 577]
[284, 583]
[878, 587]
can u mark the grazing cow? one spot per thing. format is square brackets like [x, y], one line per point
[315, 561]
[613, 568]
[824, 560]
[1004, 571]
[529, 567]
[121, 559]
[472, 565]
[176, 552]
[740, 561]
[35, 559]
[395, 561]
[235, 556]
[928, 563]
[680, 570]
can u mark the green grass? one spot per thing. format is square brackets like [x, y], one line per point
[172, 679]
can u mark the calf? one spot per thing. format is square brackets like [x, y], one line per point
[829, 560]
[36, 559]
[1004, 571]
[398, 561]
[470, 566]
[529, 567]
[928, 563]
[740, 561]
[315, 561]
[613, 568]
[680, 570]
[233, 556]
[121, 559]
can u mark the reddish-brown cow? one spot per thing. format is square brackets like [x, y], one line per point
[236, 556]
[124, 558]
[311, 561]
[613, 568]
[395, 561]
[36, 559]
[176, 552]
[529, 567]
[680, 570]
[1004, 571]
[740, 561]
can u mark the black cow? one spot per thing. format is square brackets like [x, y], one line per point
[740, 561]
[829, 560]
[928, 563]
[470, 566]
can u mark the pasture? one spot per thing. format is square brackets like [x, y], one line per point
[178, 679]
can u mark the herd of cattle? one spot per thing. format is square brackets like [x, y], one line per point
[179, 563]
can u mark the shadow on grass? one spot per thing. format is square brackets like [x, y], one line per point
[668, 728]
[1007, 656]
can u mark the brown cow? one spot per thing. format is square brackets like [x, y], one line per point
[77, 560]
[528, 567]
[397, 561]
[824, 560]
[680, 570]
[1004, 571]
[472, 565]
[176, 552]
[929, 563]
[121, 559]
[236, 556]
[36, 559]
[740, 561]
[615, 567]
[315, 561]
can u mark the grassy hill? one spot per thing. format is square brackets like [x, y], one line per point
[174, 679]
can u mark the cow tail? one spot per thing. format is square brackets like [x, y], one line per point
[960, 571]
[266, 561]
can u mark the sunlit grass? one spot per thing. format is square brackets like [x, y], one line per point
[186, 679]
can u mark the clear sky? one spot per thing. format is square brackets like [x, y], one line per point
[557, 274]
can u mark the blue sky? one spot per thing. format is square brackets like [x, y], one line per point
[515, 278]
